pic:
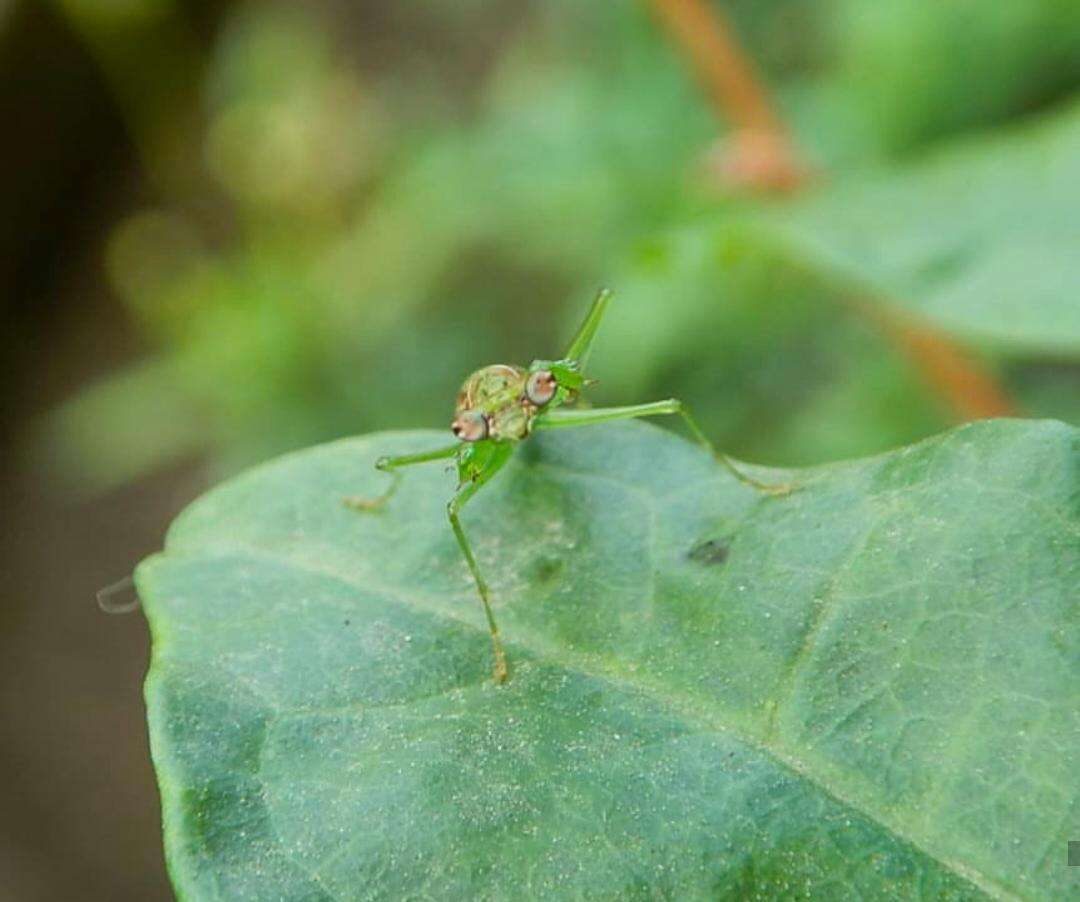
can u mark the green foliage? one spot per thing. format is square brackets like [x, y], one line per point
[759, 341]
[860, 690]
[917, 70]
[746, 311]
[396, 227]
[864, 689]
[977, 239]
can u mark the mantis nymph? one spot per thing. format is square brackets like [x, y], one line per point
[502, 405]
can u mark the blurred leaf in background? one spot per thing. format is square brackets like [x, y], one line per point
[378, 201]
[921, 70]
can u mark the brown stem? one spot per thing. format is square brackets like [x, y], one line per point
[762, 156]
[953, 373]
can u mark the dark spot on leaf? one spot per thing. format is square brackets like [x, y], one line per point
[545, 569]
[711, 552]
[347, 622]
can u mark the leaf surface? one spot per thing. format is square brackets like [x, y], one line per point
[979, 238]
[865, 689]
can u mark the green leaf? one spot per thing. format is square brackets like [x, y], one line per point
[914, 71]
[979, 238]
[865, 689]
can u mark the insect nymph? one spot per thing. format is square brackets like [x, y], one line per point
[502, 405]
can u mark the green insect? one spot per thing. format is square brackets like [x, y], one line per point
[502, 405]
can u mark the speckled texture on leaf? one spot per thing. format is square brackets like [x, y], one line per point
[867, 689]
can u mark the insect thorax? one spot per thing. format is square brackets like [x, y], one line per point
[498, 391]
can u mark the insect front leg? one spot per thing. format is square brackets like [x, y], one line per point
[391, 465]
[562, 419]
[453, 510]
[500, 671]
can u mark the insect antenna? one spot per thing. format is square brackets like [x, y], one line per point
[582, 342]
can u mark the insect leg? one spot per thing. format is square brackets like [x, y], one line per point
[562, 418]
[391, 465]
[501, 672]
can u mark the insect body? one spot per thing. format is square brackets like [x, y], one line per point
[501, 405]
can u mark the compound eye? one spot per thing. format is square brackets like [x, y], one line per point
[541, 387]
[470, 426]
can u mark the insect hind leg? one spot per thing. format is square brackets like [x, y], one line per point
[562, 419]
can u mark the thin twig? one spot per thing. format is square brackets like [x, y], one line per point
[953, 373]
[762, 155]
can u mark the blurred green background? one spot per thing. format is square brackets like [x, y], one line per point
[235, 228]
